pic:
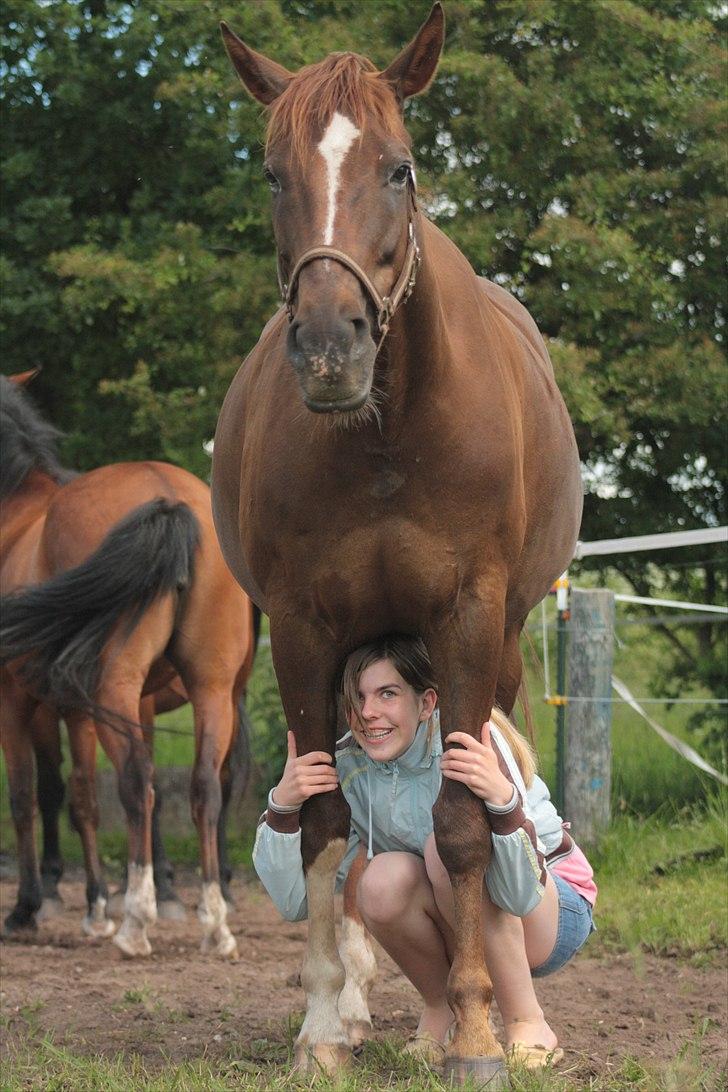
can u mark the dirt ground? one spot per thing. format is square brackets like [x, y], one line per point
[179, 1004]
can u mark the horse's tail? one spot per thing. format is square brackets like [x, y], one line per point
[60, 627]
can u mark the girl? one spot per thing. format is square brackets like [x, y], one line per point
[539, 888]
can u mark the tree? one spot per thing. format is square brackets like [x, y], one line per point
[572, 148]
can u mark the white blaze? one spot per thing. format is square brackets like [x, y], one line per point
[335, 143]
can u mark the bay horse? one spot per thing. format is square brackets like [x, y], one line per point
[393, 455]
[112, 585]
[51, 790]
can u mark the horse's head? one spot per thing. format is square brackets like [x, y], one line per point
[340, 169]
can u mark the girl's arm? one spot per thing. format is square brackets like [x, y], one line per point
[516, 875]
[277, 851]
[278, 862]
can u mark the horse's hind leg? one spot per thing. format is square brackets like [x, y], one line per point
[16, 710]
[46, 734]
[125, 746]
[85, 809]
[226, 872]
[357, 955]
[213, 709]
[169, 906]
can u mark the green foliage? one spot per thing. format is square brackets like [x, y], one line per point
[573, 150]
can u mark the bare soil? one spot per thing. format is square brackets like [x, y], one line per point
[179, 1005]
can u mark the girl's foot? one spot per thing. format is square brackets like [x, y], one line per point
[435, 1022]
[531, 1033]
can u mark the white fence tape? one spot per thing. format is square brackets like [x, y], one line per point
[678, 604]
[651, 542]
[682, 749]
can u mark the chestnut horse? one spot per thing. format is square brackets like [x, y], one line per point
[51, 790]
[393, 455]
[113, 583]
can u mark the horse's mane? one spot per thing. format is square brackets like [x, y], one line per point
[27, 442]
[343, 82]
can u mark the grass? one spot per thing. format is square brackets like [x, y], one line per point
[263, 1066]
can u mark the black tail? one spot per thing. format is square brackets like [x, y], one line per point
[62, 626]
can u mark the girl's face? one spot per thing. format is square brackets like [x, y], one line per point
[390, 712]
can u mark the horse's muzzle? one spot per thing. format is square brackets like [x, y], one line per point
[334, 363]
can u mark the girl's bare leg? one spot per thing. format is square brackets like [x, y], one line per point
[514, 945]
[395, 899]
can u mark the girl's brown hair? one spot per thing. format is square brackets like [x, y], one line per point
[409, 656]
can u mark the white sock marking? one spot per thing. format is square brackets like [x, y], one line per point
[335, 143]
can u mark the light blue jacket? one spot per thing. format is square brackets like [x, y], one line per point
[391, 809]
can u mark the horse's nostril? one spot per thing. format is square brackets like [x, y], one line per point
[361, 328]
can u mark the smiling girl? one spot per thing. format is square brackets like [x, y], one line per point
[539, 889]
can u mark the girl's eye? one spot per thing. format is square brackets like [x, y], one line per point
[401, 175]
[388, 693]
[272, 180]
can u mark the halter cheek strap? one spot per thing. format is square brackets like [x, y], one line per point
[385, 306]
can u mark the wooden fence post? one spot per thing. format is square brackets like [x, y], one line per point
[587, 775]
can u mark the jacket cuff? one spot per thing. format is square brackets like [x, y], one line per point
[283, 824]
[507, 822]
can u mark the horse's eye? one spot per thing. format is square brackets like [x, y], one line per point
[400, 176]
[272, 180]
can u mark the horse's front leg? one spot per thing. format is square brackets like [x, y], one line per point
[305, 668]
[466, 657]
[357, 955]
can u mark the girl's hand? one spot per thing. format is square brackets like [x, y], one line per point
[477, 767]
[304, 777]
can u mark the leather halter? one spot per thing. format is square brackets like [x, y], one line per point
[385, 306]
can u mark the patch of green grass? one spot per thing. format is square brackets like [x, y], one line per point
[662, 883]
[264, 1066]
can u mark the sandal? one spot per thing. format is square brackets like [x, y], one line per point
[426, 1047]
[534, 1057]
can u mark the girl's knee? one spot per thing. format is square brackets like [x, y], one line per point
[387, 886]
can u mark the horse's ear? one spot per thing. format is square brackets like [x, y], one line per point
[21, 379]
[265, 79]
[412, 70]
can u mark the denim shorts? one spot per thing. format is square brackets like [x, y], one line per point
[574, 928]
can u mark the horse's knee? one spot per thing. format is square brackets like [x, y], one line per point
[386, 888]
[461, 830]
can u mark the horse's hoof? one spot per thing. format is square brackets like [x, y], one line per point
[51, 907]
[311, 1058]
[132, 946]
[94, 927]
[489, 1073]
[357, 1031]
[115, 905]
[171, 910]
[19, 921]
[225, 947]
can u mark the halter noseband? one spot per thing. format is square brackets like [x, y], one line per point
[385, 306]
